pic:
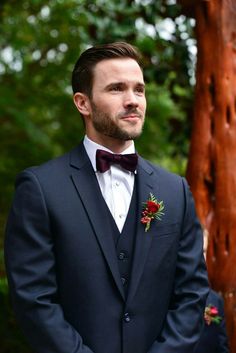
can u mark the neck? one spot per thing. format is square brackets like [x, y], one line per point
[114, 145]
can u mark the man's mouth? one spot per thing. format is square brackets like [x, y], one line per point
[131, 115]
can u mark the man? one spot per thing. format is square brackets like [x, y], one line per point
[214, 336]
[85, 273]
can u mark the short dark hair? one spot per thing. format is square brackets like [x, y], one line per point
[82, 75]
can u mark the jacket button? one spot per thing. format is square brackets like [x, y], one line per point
[121, 255]
[127, 317]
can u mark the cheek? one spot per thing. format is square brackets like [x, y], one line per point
[113, 109]
[143, 105]
[108, 105]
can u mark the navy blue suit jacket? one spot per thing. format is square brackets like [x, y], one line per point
[63, 271]
[214, 337]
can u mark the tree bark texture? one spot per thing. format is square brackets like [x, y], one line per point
[211, 169]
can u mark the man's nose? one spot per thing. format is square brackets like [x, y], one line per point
[130, 99]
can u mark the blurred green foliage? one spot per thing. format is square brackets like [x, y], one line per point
[12, 339]
[40, 42]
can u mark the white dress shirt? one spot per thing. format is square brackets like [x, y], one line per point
[116, 184]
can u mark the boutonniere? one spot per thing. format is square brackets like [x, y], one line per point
[152, 209]
[211, 315]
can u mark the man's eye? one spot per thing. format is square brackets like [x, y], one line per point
[116, 88]
[140, 90]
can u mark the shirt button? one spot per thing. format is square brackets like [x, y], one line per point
[117, 183]
[127, 317]
[121, 255]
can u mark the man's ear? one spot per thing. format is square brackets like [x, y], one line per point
[82, 103]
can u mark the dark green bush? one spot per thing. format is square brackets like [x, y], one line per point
[12, 340]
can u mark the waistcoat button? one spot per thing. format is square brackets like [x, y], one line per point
[127, 317]
[123, 280]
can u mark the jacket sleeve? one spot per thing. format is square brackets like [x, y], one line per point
[184, 320]
[31, 270]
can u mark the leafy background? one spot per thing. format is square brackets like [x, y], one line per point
[40, 42]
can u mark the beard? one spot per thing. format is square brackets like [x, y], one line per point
[104, 124]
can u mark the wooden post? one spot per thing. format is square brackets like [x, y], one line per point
[211, 168]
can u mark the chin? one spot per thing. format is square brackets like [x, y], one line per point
[133, 135]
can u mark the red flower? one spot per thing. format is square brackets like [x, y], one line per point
[214, 311]
[211, 315]
[152, 206]
[152, 209]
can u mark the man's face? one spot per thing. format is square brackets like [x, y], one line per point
[118, 101]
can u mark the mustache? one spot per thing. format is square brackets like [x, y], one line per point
[130, 111]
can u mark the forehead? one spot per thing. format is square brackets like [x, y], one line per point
[117, 70]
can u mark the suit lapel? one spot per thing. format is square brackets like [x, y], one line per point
[145, 185]
[89, 192]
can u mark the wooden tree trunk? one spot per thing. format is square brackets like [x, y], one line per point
[211, 169]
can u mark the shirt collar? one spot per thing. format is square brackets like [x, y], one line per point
[91, 148]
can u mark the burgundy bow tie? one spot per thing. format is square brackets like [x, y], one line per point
[104, 160]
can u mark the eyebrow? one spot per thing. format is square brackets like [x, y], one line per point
[121, 83]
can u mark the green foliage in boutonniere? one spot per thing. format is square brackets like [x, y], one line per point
[211, 315]
[152, 209]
